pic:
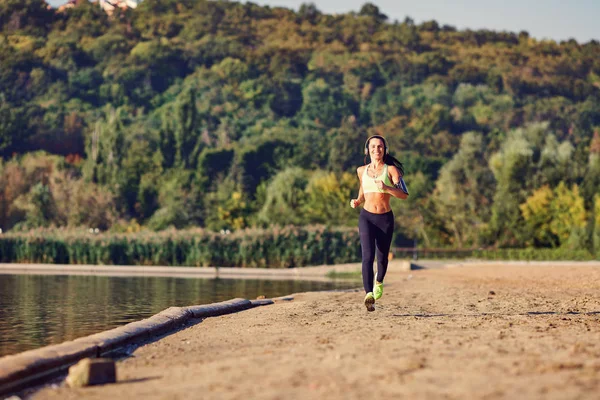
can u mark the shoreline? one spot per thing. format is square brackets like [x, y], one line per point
[144, 334]
[24, 370]
[19, 370]
[268, 273]
[477, 332]
[318, 273]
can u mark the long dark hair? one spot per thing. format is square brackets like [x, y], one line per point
[387, 158]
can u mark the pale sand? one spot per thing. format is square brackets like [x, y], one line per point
[436, 334]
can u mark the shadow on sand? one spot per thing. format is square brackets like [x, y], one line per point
[530, 313]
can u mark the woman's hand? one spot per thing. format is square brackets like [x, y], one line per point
[380, 184]
[354, 203]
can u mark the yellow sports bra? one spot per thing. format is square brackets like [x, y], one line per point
[368, 183]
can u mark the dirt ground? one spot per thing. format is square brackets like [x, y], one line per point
[470, 332]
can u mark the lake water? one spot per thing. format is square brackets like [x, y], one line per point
[40, 310]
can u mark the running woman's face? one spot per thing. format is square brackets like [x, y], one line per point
[376, 149]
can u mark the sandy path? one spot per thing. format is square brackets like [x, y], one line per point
[436, 334]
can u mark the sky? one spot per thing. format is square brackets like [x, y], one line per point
[543, 19]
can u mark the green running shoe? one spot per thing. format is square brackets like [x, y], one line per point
[378, 290]
[370, 302]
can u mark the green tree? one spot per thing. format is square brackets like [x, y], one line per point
[166, 140]
[231, 70]
[309, 12]
[568, 212]
[186, 130]
[287, 98]
[555, 160]
[387, 103]
[38, 206]
[227, 207]
[258, 162]
[12, 124]
[591, 192]
[511, 168]
[31, 16]
[285, 198]
[326, 105]
[139, 199]
[177, 204]
[213, 166]
[536, 211]
[106, 147]
[553, 215]
[347, 146]
[463, 190]
[327, 198]
[371, 10]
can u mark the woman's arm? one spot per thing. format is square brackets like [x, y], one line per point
[361, 197]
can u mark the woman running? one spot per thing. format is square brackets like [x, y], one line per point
[379, 181]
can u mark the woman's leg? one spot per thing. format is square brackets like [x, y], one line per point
[367, 244]
[383, 241]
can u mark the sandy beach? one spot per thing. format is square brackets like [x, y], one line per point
[470, 332]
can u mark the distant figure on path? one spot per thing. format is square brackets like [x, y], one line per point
[379, 181]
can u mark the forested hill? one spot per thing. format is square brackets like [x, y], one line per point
[227, 115]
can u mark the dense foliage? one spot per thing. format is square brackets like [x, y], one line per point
[256, 248]
[223, 115]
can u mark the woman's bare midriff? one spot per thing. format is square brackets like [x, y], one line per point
[377, 203]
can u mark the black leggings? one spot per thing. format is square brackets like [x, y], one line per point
[375, 238]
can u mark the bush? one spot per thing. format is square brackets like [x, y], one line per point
[532, 254]
[528, 254]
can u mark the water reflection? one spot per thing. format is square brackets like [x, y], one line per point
[39, 310]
